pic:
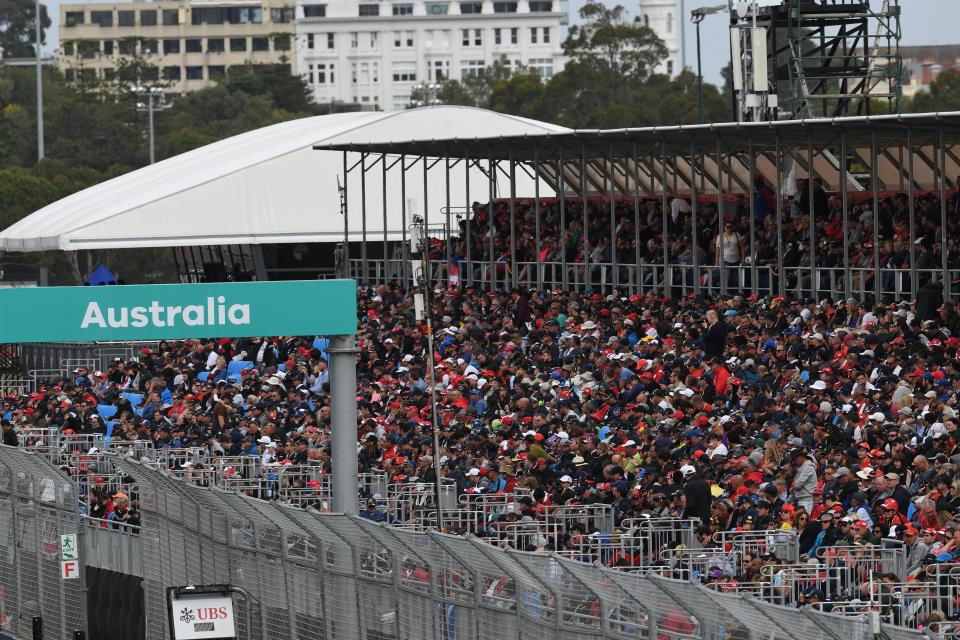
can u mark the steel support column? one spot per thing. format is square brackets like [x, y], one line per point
[665, 215]
[814, 289]
[513, 220]
[912, 213]
[875, 196]
[363, 216]
[844, 206]
[536, 216]
[491, 232]
[694, 229]
[586, 207]
[343, 417]
[944, 244]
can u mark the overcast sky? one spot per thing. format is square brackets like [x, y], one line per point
[922, 22]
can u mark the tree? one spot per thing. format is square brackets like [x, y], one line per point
[287, 91]
[943, 95]
[628, 49]
[18, 28]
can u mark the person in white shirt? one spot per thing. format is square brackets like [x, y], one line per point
[730, 252]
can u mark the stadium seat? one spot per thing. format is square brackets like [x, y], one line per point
[202, 376]
[106, 411]
[136, 399]
[166, 396]
[234, 367]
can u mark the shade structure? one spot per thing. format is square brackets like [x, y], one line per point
[261, 187]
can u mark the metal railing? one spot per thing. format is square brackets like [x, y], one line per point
[313, 576]
[680, 278]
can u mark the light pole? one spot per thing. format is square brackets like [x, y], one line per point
[40, 153]
[418, 230]
[429, 92]
[697, 16]
[156, 101]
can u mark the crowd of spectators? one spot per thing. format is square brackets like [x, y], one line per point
[638, 236]
[832, 418]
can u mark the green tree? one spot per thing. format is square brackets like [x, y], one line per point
[606, 38]
[943, 95]
[18, 23]
[287, 91]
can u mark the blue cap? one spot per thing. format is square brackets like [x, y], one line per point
[730, 312]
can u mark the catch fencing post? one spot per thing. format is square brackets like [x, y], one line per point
[343, 414]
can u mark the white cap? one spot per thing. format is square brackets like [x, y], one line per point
[819, 385]
[686, 391]
[687, 469]
[473, 472]
[566, 479]
[264, 440]
[877, 416]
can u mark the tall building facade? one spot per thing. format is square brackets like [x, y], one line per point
[187, 45]
[374, 53]
[664, 18]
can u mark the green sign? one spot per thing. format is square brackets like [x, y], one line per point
[172, 311]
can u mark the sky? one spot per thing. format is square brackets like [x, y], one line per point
[922, 22]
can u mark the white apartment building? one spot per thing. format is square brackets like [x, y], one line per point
[375, 52]
[664, 18]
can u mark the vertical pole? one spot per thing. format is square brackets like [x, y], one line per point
[404, 247]
[875, 197]
[753, 216]
[664, 214]
[153, 154]
[911, 210]
[491, 176]
[781, 276]
[942, 162]
[720, 211]
[343, 417]
[614, 266]
[513, 219]
[386, 256]
[469, 206]
[363, 216]
[694, 230]
[536, 215]
[814, 289]
[562, 188]
[638, 277]
[844, 196]
[446, 164]
[699, 69]
[427, 273]
[39, 29]
[346, 217]
[583, 196]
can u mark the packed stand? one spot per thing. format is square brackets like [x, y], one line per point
[638, 237]
[802, 451]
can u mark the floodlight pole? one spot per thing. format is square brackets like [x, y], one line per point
[343, 418]
[40, 150]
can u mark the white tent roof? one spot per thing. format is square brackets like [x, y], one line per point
[265, 186]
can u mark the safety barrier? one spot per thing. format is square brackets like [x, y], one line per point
[310, 575]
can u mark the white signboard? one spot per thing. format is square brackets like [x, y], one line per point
[69, 569]
[68, 547]
[202, 616]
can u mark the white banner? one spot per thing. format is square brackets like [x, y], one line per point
[202, 616]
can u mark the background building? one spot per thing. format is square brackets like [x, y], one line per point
[191, 44]
[922, 64]
[664, 18]
[375, 53]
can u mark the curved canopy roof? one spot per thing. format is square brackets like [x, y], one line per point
[264, 186]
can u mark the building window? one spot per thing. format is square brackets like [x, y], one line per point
[238, 44]
[281, 42]
[514, 35]
[496, 37]
[401, 102]
[441, 70]
[309, 41]
[504, 7]
[546, 35]
[148, 17]
[471, 7]
[193, 45]
[125, 47]
[331, 41]
[465, 37]
[322, 71]
[108, 47]
[285, 15]
[171, 73]
[74, 18]
[149, 46]
[216, 71]
[437, 8]
[533, 35]
[68, 48]
[194, 73]
[314, 11]
[354, 39]
[471, 69]
[245, 15]
[369, 10]
[669, 23]
[171, 17]
[171, 45]
[403, 39]
[102, 18]
[403, 9]
[374, 42]
[259, 44]
[206, 15]
[646, 20]
[88, 48]
[215, 45]
[405, 71]
[126, 19]
[109, 74]
[478, 37]
[542, 66]
[541, 6]
[669, 67]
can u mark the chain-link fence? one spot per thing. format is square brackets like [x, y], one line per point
[38, 505]
[307, 575]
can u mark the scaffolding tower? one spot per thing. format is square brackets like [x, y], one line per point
[831, 58]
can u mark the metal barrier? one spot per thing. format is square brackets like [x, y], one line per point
[313, 575]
